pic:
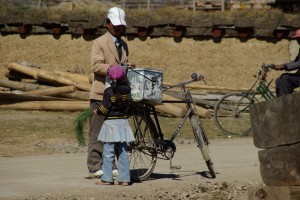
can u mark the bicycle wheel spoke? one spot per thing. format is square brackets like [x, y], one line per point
[231, 114]
[139, 162]
[142, 155]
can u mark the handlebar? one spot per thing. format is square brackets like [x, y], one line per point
[270, 66]
[265, 68]
[194, 77]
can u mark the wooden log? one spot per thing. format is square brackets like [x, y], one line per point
[53, 91]
[203, 100]
[80, 95]
[280, 166]
[25, 70]
[82, 78]
[27, 97]
[4, 89]
[20, 85]
[202, 112]
[170, 109]
[29, 80]
[276, 122]
[16, 76]
[207, 87]
[53, 79]
[274, 193]
[49, 105]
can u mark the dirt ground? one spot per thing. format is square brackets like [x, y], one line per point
[26, 139]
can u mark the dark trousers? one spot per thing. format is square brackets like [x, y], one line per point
[95, 147]
[286, 83]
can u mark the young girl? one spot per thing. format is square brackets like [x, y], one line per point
[115, 132]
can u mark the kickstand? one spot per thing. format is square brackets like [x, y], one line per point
[174, 167]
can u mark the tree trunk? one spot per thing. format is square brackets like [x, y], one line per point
[207, 87]
[25, 70]
[9, 98]
[82, 78]
[80, 95]
[54, 79]
[52, 91]
[49, 76]
[202, 112]
[49, 105]
[170, 109]
[20, 85]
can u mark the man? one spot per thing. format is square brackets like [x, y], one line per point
[287, 82]
[107, 50]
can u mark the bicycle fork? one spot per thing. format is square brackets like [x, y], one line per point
[167, 146]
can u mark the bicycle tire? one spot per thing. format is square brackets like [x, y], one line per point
[231, 114]
[202, 142]
[142, 152]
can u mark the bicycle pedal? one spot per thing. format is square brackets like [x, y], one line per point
[175, 167]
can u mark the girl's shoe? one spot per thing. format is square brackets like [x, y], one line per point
[124, 184]
[103, 183]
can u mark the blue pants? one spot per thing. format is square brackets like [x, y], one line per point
[286, 83]
[108, 160]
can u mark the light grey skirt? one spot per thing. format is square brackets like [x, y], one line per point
[116, 130]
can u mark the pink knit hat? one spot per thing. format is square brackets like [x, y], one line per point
[297, 34]
[116, 72]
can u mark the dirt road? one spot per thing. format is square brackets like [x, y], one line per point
[63, 176]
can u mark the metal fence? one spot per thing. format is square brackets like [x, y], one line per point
[33, 3]
[129, 4]
[150, 4]
[193, 5]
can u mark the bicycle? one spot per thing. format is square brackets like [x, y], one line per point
[150, 144]
[231, 112]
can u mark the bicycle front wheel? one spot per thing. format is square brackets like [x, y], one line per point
[231, 114]
[142, 152]
[202, 142]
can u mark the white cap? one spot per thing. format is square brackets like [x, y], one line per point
[116, 16]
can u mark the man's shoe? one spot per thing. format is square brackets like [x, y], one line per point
[115, 173]
[98, 173]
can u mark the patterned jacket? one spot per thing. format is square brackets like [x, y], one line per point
[109, 108]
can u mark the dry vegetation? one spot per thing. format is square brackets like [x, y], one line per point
[229, 63]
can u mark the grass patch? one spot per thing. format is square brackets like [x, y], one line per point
[44, 124]
[169, 125]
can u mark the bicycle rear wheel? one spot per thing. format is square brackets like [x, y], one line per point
[142, 152]
[202, 142]
[231, 114]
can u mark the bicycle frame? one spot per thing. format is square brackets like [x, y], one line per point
[230, 112]
[150, 144]
[168, 144]
[189, 111]
[264, 90]
[261, 89]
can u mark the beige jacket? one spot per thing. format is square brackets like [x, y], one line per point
[104, 54]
